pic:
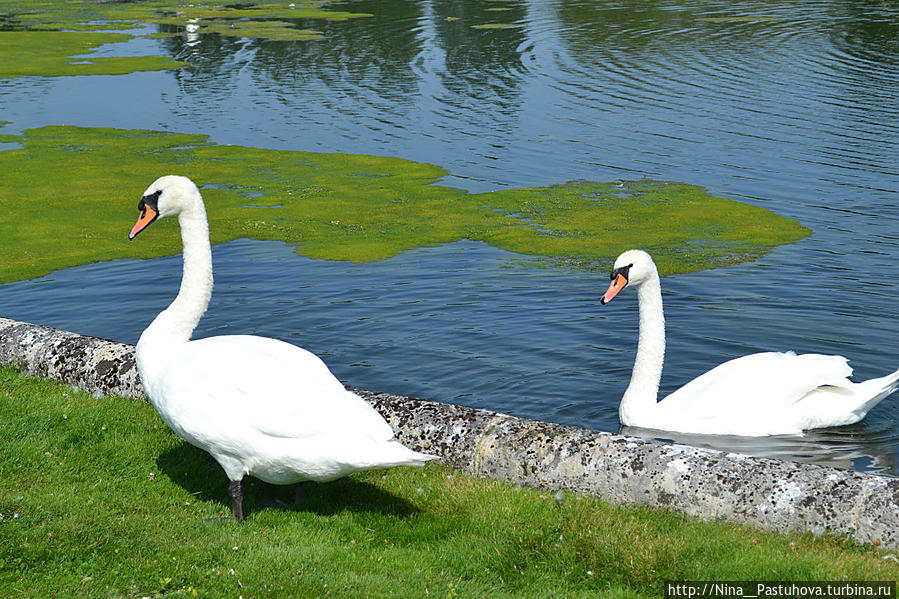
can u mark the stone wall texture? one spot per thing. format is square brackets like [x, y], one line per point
[771, 494]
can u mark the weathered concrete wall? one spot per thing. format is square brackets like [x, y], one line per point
[777, 495]
[86, 363]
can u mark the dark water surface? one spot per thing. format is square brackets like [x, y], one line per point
[793, 106]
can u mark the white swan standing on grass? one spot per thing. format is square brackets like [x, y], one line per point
[761, 394]
[259, 406]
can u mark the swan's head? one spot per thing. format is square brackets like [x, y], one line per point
[168, 195]
[633, 267]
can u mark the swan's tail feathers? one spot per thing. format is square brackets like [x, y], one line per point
[330, 459]
[393, 453]
[876, 390]
[415, 458]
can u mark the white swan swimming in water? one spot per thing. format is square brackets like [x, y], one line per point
[259, 406]
[761, 394]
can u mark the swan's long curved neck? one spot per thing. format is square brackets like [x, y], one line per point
[175, 324]
[641, 395]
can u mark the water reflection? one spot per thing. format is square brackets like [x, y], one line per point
[480, 65]
[855, 447]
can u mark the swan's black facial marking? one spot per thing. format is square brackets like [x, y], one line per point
[151, 200]
[624, 271]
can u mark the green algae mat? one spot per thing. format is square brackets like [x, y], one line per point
[90, 15]
[42, 38]
[68, 196]
[54, 53]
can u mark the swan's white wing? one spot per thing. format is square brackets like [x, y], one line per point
[754, 394]
[263, 386]
[273, 410]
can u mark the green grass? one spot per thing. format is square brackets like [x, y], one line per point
[69, 196]
[99, 499]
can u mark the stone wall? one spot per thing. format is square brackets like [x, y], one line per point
[772, 494]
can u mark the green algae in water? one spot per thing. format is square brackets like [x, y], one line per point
[496, 26]
[736, 19]
[69, 196]
[266, 20]
[248, 10]
[42, 38]
[270, 30]
[52, 53]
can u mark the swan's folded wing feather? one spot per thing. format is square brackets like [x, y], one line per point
[757, 386]
[265, 386]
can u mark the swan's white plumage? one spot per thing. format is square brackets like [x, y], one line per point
[261, 401]
[259, 406]
[760, 394]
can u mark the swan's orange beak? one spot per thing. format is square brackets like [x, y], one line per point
[618, 283]
[147, 216]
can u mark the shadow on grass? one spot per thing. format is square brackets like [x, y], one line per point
[197, 472]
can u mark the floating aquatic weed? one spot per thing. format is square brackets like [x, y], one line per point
[65, 198]
[496, 26]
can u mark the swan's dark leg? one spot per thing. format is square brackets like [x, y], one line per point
[235, 490]
[299, 493]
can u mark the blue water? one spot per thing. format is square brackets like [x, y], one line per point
[797, 111]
